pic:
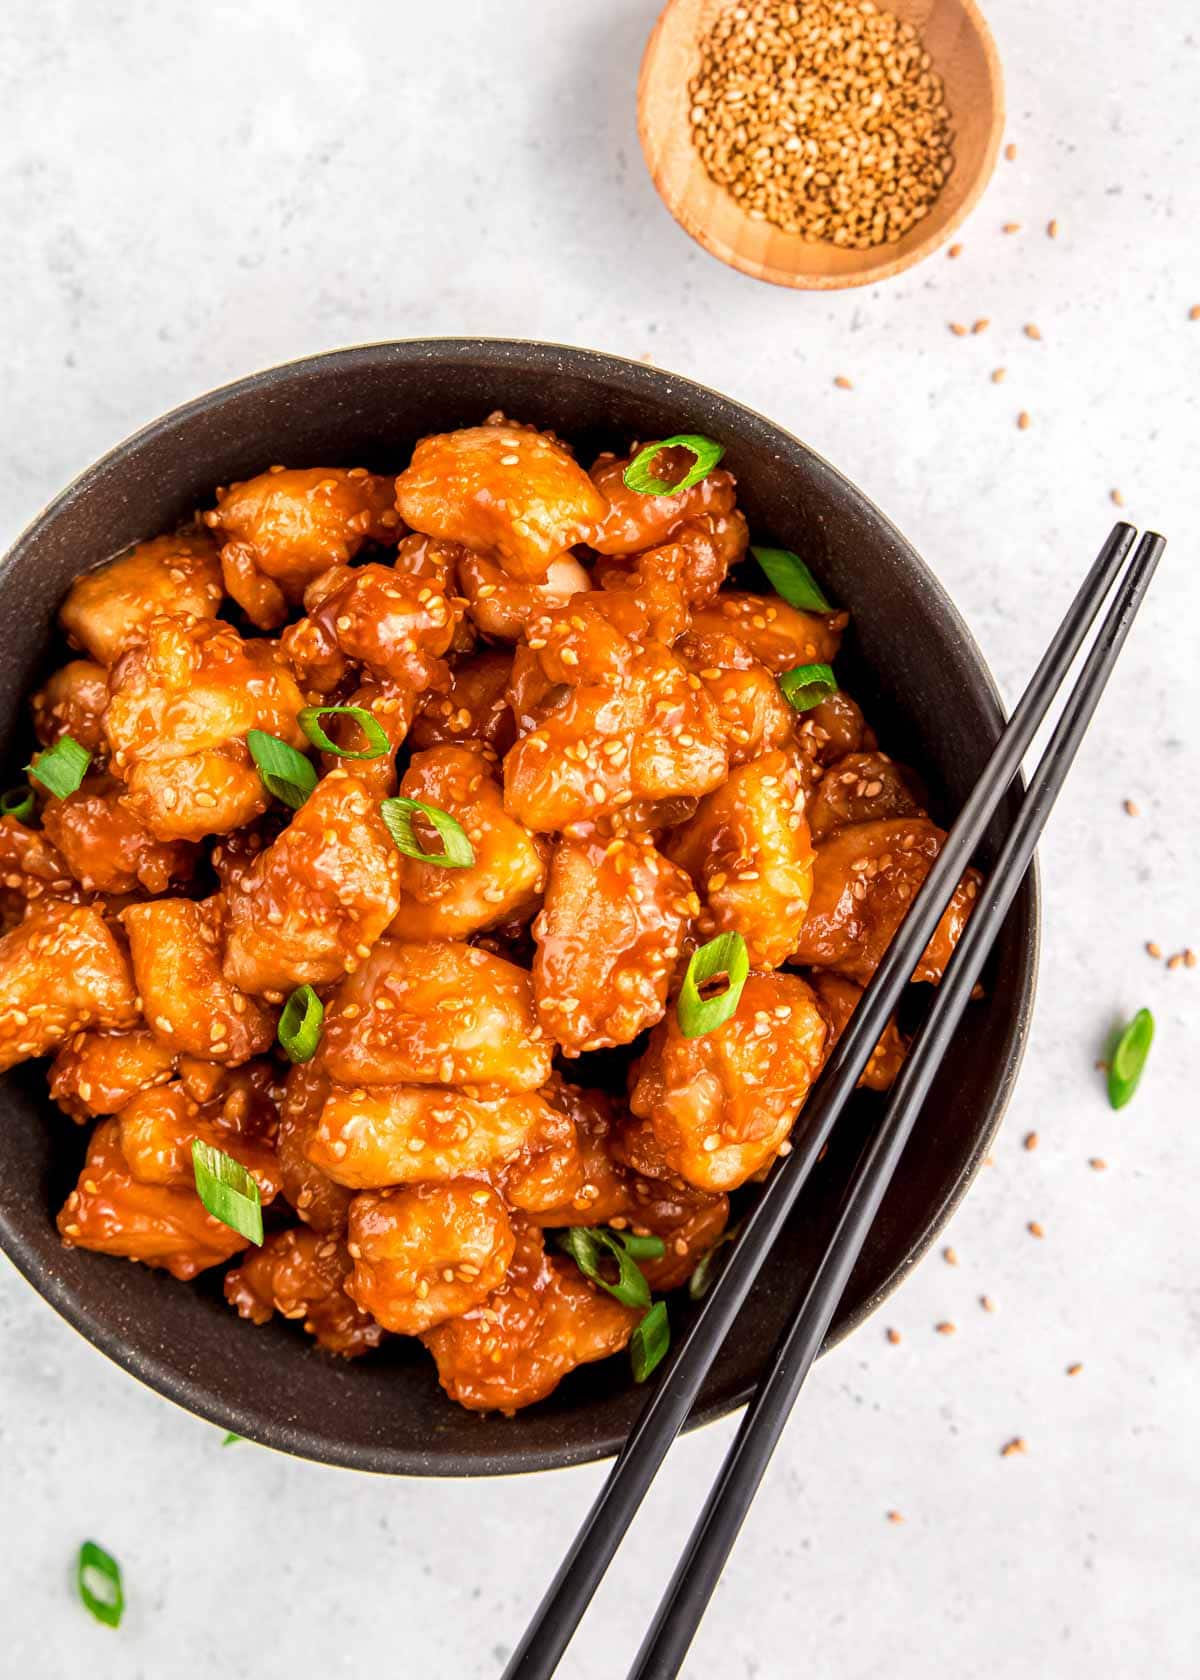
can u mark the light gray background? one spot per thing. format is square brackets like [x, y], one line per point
[189, 192]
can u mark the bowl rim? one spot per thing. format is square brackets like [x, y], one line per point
[293, 1438]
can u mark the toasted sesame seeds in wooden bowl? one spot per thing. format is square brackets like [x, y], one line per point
[684, 105]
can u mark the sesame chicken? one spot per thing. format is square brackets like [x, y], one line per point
[435, 1014]
[61, 972]
[503, 490]
[865, 879]
[582, 732]
[838, 999]
[427, 1252]
[776, 635]
[862, 787]
[502, 605]
[320, 1202]
[516, 1346]
[603, 745]
[181, 704]
[749, 852]
[302, 1275]
[32, 872]
[715, 1109]
[280, 530]
[107, 848]
[316, 900]
[113, 1212]
[391, 624]
[507, 878]
[107, 611]
[634, 523]
[72, 702]
[608, 939]
[98, 1072]
[175, 946]
[376, 1135]
[157, 1128]
[474, 708]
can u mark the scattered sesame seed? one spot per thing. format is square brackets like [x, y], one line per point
[955, 251]
[986, 1302]
[844, 384]
[998, 375]
[1189, 958]
[945, 1328]
[1031, 1140]
[981, 325]
[1194, 312]
[1023, 421]
[1074, 1370]
[893, 1336]
[958, 329]
[1175, 961]
[1016, 1445]
[1097, 1163]
[1153, 949]
[1034, 1229]
[1010, 151]
[1011, 227]
[894, 1517]
[1052, 227]
[950, 1257]
[1032, 331]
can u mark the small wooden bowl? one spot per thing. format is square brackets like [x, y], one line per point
[964, 55]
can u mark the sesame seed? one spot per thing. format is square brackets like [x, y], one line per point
[1052, 228]
[1032, 331]
[986, 1302]
[1023, 421]
[893, 1336]
[1031, 1140]
[958, 329]
[1034, 1229]
[894, 1517]
[843, 384]
[1016, 1445]
[950, 1257]
[945, 1328]
[1153, 949]
[981, 325]
[1097, 1163]
[955, 251]
[1074, 1370]
[998, 375]
[1011, 227]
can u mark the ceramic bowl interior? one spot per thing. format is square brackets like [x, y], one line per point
[909, 660]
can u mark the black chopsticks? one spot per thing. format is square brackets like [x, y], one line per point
[667, 1408]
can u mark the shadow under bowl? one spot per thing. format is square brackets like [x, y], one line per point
[908, 659]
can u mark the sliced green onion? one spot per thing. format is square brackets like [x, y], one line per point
[638, 476]
[643, 1248]
[377, 741]
[285, 773]
[231, 1440]
[650, 1341]
[17, 802]
[299, 1028]
[705, 1273]
[726, 954]
[588, 1244]
[805, 686]
[61, 767]
[1129, 1058]
[398, 814]
[227, 1190]
[98, 1576]
[791, 578]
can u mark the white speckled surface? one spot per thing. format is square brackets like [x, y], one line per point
[193, 191]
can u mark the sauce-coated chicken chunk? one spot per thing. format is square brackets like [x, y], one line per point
[302, 1275]
[865, 879]
[175, 944]
[501, 489]
[107, 611]
[61, 972]
[281, 529]
[506, 880]
[749, 852]
[314, 903]
[861, 787]
[427, 1252]
[502, 606]
[715, 1109]
[320, 1202]
[99, 1072]
[376, 1135]
[182, 702]
[32, 872]
[694, 562]
[775, 634]
[391, 624]
[634, 523]
[435, 1014]
[608, 939]
[157, 1128]
[108, 849]
[754, 716]
[473, 710]
[839, 998]
[601, 746]
[73, 703]
[517, 1345]
[163, 1225]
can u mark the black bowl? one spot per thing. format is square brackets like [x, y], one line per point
[909, 660]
